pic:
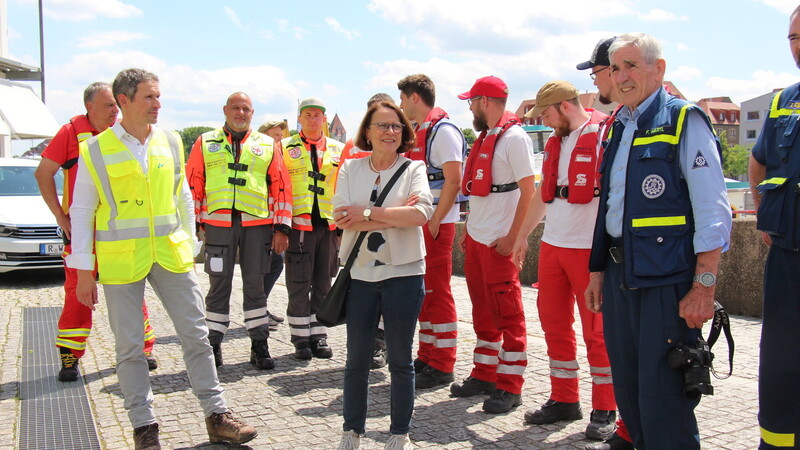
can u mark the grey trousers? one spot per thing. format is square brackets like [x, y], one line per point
[181, 297]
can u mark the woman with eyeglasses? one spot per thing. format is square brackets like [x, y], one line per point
[388, 271]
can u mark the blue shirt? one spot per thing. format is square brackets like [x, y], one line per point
[701, 168]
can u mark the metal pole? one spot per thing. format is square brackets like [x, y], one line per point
[41, 47]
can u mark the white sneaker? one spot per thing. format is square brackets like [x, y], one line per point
[350, 440]
[398, 442]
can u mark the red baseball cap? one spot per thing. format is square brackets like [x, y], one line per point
[490, 86]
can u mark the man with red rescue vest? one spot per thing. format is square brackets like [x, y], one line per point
[243, 202]
[499, 176]
[312, 257]
[569, 195]
[75, 322]
[441, 145]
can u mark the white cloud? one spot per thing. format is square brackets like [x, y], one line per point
[760, 83]
[234, 17]
[337, 27]
[283, 24]
[682, 47]
[683, 73]
[659, 15]
[299, 33]
[784, 6]
[108, 39]
[77, 10]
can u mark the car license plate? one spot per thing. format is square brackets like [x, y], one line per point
[51, 249]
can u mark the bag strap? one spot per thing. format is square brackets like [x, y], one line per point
[360, 239]
[721, 323]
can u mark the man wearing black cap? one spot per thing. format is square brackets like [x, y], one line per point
[311, 259]
[600, 74]
[499, 176]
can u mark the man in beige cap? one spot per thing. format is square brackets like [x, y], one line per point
[311, 259]
[568, 194]
[274, 129]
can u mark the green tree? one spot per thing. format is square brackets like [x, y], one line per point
[469, 136]
[734, 158]
[189, 135]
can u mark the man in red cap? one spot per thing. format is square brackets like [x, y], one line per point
[499, 176]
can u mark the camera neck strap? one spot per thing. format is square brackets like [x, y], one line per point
[721, 323]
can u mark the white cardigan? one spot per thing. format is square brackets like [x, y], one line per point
[354, 187]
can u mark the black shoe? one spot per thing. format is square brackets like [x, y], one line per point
[217, 350]
[152, 362]
[501, 402]
[553, 411]
[378, 359]
[146, 437]
[302, 352]
[432, 377]
[419, 366]
[320, 349]
[471, 386]
[69, 365]
[602, 424]
[615, 442]
[259, 355]
[275, 317]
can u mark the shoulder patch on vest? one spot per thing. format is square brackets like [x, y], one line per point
[699, 161]
[257, 150]
[653, 186]
[214, 147]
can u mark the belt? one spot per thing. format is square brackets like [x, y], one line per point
[616, 252]
[505, 187]
[563, 192]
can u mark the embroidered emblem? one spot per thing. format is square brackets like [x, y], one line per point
[213, 147]
[295, 152]
[257, 150]
[653, 186]
[699, 161]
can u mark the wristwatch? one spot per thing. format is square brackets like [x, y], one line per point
[367, 213]
[707, 279]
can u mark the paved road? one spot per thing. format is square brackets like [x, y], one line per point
[298, 405]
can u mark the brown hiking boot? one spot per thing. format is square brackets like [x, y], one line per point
[146, 437]
[225, 428]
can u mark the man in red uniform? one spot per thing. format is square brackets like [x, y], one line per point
[499, 177]
[568, 194]
[441, 145]
[75, 322]
[243, 202]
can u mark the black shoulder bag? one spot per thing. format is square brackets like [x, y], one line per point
[332, 310]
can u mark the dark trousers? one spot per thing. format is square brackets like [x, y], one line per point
[253, 247]
[641, 325]
[275, 270]
[779, 365]
[311, 262]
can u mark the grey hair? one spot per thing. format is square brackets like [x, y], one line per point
[649, 46]
[128, 81]
[93, 89]
[379, 97]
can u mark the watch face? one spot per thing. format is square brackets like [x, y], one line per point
[707, 279]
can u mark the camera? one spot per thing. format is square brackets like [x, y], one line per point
[695, 361]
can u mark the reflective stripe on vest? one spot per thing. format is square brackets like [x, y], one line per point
[673, 139]
[137, 222]
[772, 182]
[298, 163]
[659, 221]
[251, 198]
[774, 111]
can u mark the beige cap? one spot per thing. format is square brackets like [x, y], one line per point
[552, 93]
[270, 124]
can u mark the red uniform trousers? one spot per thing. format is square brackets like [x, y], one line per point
[75, 321]
[497, 317]
[438, 321]
[563, 278]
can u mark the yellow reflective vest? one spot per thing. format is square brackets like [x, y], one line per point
[241, 185]
[306, 183]
[137, 222]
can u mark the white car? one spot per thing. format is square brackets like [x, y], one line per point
[29, 235]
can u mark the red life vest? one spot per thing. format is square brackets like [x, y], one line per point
[478, 172]
[583, 179]
[420, 152]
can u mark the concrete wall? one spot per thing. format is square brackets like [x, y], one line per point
[741, 271]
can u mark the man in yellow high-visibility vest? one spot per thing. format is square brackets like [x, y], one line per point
[132, 201]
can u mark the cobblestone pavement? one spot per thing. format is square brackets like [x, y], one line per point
[298, 404]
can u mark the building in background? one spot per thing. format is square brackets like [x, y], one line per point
[724, 115]
[753, 113]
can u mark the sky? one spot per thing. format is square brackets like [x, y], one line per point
[345, 51]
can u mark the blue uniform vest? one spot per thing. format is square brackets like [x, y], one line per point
[657, 225]
[779, 209]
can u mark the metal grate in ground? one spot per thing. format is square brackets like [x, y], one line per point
[53, 415]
